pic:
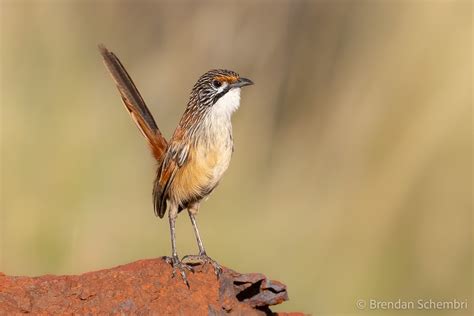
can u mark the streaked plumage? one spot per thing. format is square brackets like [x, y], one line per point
[195, 167]
[194, 160]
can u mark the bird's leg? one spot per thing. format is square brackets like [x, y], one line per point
[174, 260]
[202, 251]
[202, 257]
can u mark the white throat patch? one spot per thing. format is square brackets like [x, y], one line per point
[227, 104]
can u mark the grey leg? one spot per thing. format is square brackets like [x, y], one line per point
[202, 251]
[202, 257]
[174, 260]
[172, 220]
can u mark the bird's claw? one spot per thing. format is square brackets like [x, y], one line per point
[179, 266]
[203, 259]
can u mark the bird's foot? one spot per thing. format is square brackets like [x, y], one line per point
[179, 266]
[203, 258]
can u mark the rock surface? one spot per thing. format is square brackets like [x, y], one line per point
[143, 287]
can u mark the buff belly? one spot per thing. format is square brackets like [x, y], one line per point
[202, 172]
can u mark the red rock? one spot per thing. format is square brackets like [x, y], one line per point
[143, 287]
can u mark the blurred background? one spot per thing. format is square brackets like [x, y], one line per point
[352, 172]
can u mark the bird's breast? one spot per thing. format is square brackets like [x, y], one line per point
[208, 159]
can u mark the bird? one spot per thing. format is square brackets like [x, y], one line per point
[192, 162]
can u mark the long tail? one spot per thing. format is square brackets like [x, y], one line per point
[134, 103]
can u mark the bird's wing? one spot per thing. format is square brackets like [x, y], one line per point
[175, 157]
[134, 103]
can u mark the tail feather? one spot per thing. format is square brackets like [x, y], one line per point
[134, 103]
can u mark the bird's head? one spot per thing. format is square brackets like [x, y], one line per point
[219, 88]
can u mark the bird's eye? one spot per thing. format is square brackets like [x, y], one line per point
[216, 83]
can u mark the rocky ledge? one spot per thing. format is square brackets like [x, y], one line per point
[143, 287]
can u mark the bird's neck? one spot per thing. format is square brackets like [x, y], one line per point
[213, 124]
[216, 125]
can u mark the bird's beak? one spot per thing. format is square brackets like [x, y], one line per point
[242, 82]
